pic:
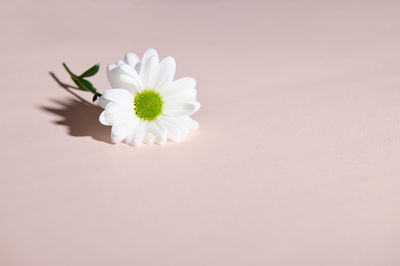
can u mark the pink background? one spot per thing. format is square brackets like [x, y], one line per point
[296, 162]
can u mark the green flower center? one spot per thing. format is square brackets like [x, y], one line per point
[148, 105]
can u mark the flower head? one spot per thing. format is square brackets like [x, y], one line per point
[145, 104]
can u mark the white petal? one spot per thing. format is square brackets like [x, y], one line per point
[190, 123]
[180, 109]
[102, 119]
[159, 131]
[181, 96]
[129, 138]
[196, 107]
[166, 74]
[138, 67]
[103, 102]
[131, 59]
[179, 86]
[150, 52]
[119, 96]
[148, 72]
[149, 139]
[111, 67]
[120, 131]
[117, 108]
[175, 127]
[118, 118]
[134, 82]
[116, 113]
[140, 133]
[129, 70]
[173, 134]
[114, 77]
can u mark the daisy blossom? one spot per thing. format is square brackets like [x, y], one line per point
[145, 104]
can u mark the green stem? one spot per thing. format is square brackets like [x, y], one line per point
[69, 71]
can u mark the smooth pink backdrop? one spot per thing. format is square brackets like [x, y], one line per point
[296, 162]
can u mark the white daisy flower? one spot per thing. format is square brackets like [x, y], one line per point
[145, 104]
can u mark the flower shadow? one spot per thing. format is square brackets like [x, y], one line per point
[80, 116]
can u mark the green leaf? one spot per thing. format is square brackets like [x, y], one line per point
[78, 83]
[83, 84]
[94, 97]
[91, 71]
[88, 85]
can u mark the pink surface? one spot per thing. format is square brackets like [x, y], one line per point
[296, 162]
